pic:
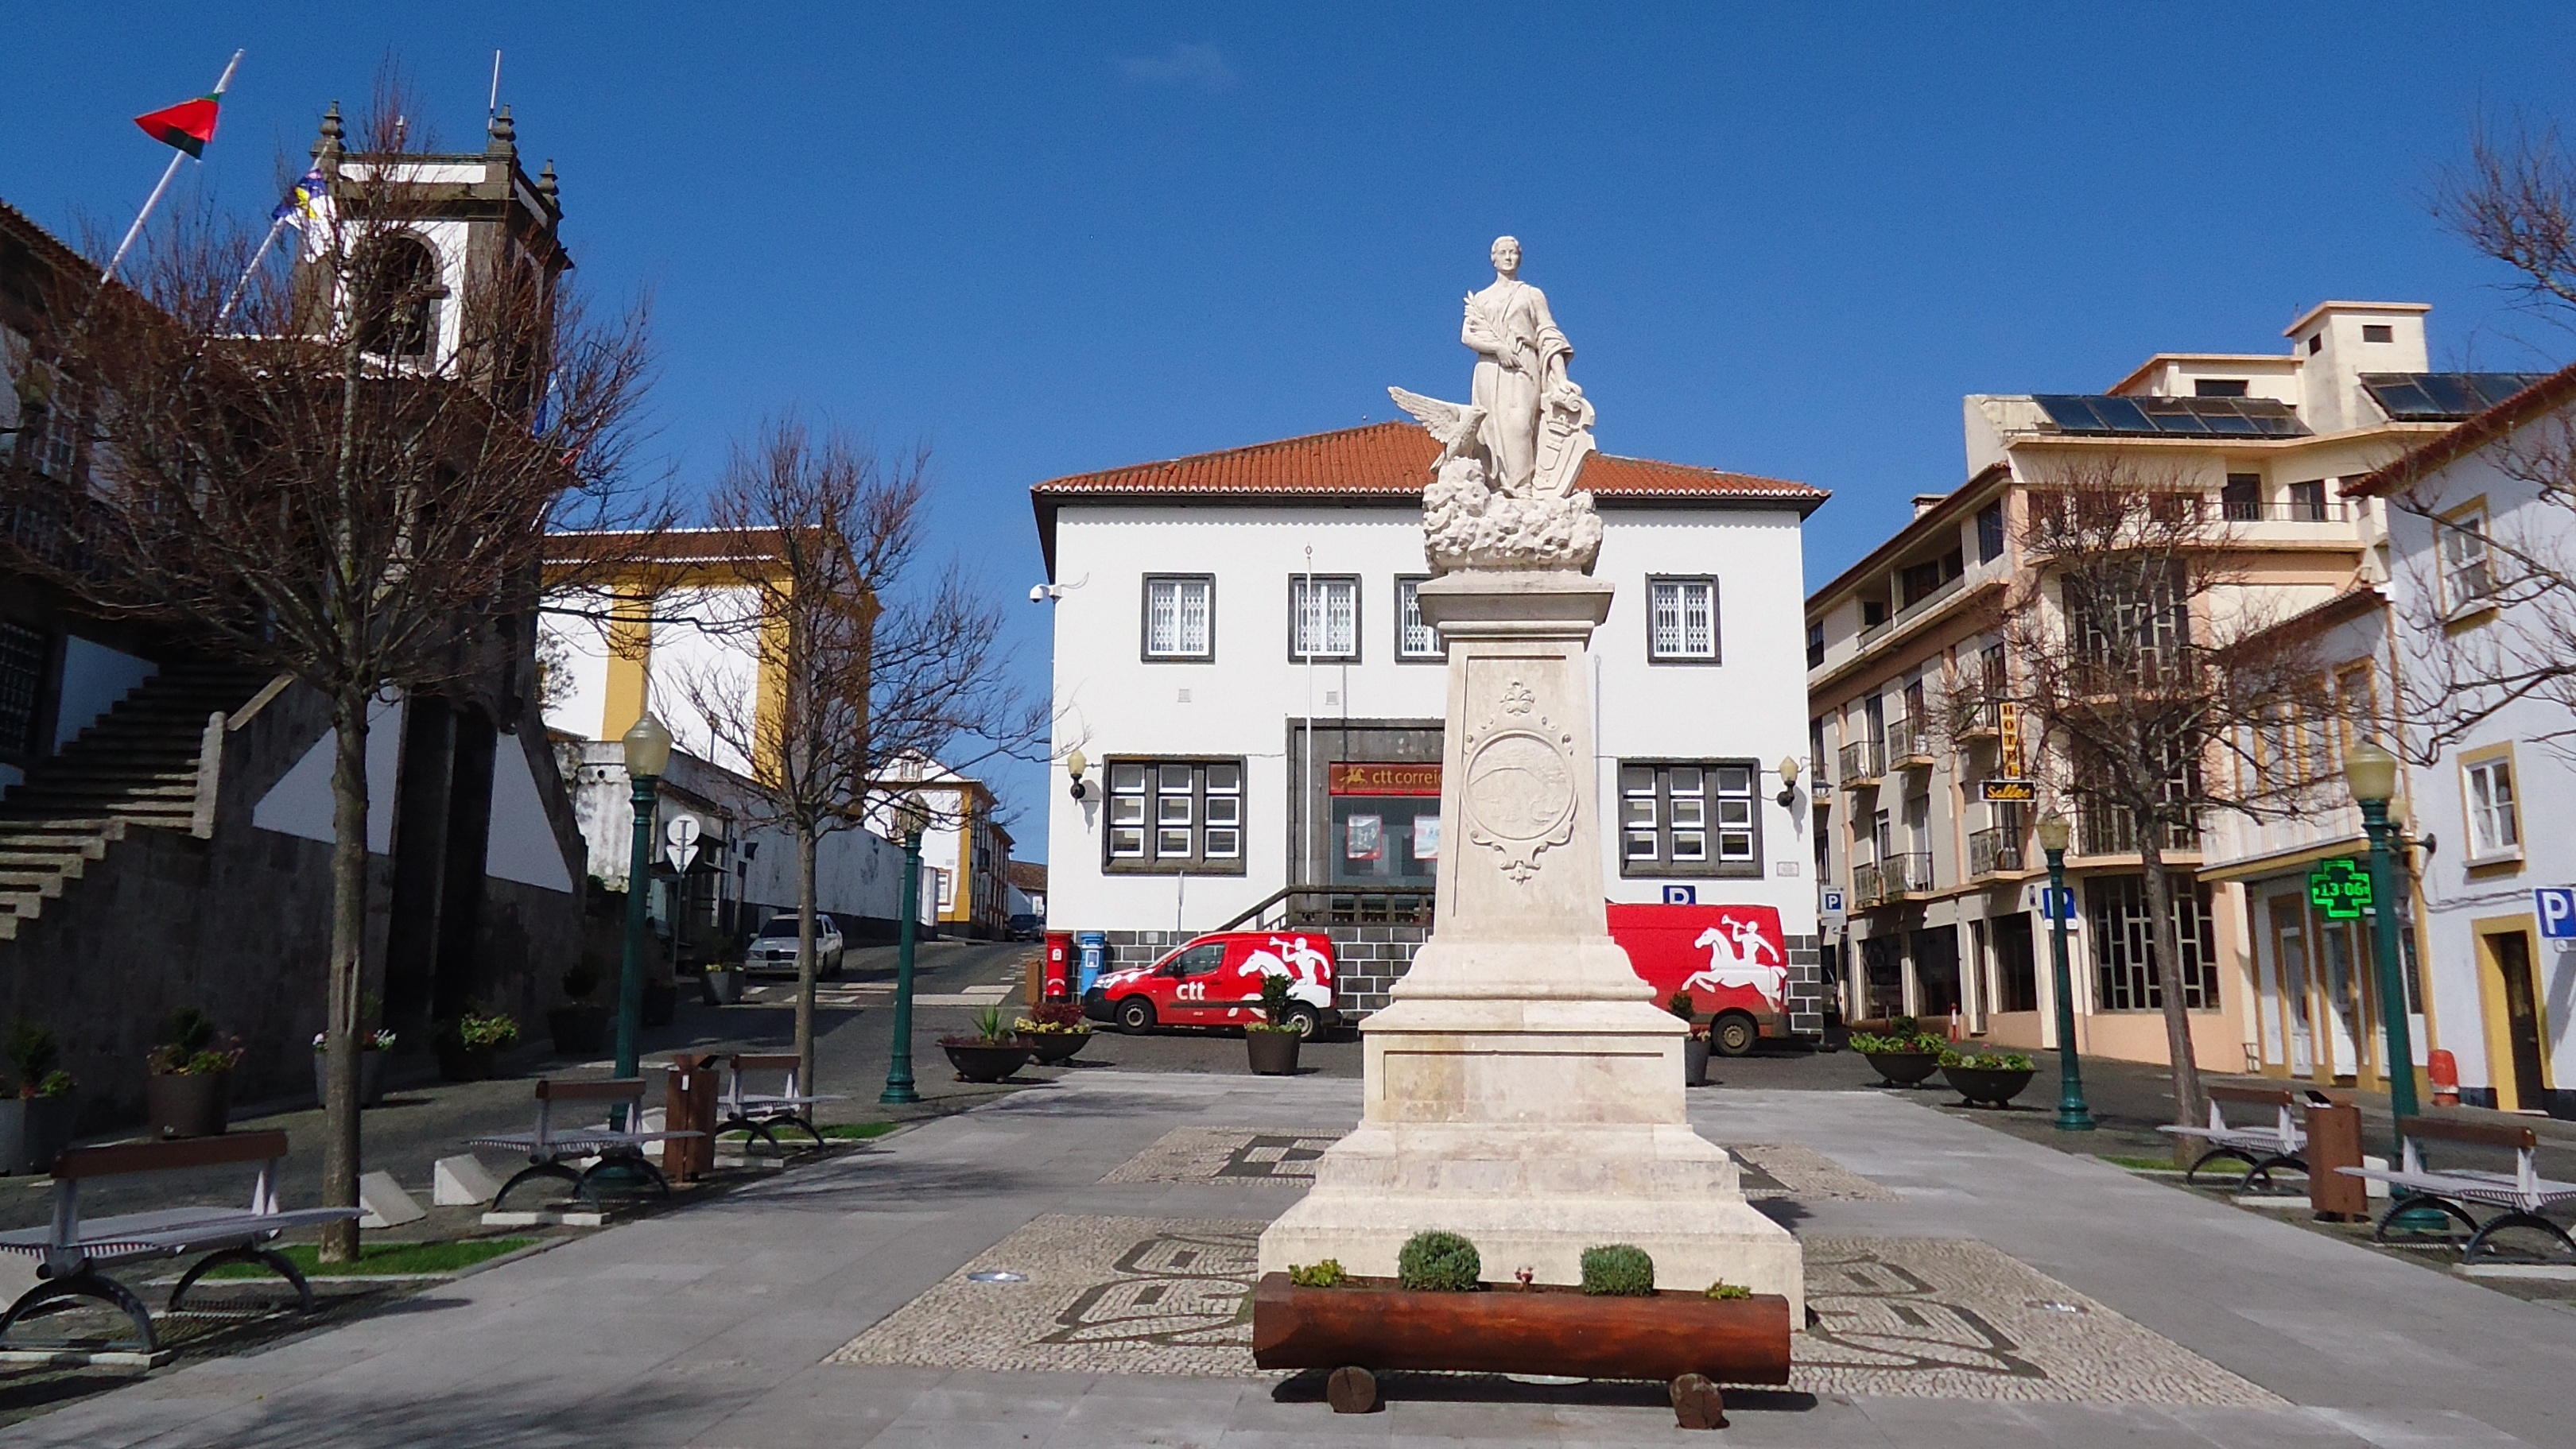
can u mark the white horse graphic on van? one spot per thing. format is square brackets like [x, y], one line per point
[1735, 951]
[1309, 971]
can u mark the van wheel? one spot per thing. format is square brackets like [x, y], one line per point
[1309, 1025]
[1733, 1034]
[1135, 1015]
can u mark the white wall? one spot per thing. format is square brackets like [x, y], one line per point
[299, 803]
[1108, 701]
[702, 649]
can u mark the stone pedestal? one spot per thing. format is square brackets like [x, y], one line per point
[1523, 1088]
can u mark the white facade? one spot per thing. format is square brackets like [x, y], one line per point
[1249, 701]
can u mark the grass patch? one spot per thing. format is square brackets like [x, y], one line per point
[2142, 1164]
[832, 1132]
[385, 1258]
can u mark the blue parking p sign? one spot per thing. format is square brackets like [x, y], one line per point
[1681, 895]
[2557, 908]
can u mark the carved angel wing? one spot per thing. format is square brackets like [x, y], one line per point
[1454, 424]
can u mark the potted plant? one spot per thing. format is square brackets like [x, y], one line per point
[1055, 1031]
[721, 982]
[1904, 1056]
[188, 1092]
[372, 1049]
[991, 1054]
[1694, 1050]
[1438, 1314]
[36, 1116]
[469, 1045]
[580, 1025]
[1272, 1043]
[1992, 1077]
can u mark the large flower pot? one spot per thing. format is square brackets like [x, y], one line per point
[13, 1134]
[371, 1078]
[1055, 1048]
[190, 1105]
[1904, 1069]
[983, 1061]
[1273, 1053]
[661, 1003]
[721, 987]
[458, 1062]
[49, 1130]
[1993, 1085]
[1695, 1062]
[579, 1029]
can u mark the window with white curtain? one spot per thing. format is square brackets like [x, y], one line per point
[1681, 620]
[1180, 617]
[1175, 817]
[2495, 820]
[1323, 618]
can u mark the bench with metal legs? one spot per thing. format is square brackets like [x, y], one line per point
[72, 1252]
[551, 1152]
[2524, 1196]
[2262, 1149]
[759, 1113]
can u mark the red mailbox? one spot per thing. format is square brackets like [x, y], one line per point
[1059, 966]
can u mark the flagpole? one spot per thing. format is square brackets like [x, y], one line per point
[167, 173]
[275, 225]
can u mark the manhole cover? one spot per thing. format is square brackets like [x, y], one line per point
[997, 1275]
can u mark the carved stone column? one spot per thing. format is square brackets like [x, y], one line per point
[1523, 1088]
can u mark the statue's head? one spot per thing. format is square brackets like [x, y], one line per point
[1507, 254]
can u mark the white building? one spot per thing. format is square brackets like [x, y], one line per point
[1192, 673]
[2497, 848]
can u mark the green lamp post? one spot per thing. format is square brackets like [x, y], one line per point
[648, 754]
[2054, 830]
[2372, 774]
[909, 818]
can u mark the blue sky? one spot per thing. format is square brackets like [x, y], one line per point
[1048, 239]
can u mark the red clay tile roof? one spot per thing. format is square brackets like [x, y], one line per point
[1384, 461]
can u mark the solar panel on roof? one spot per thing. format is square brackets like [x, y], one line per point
[2181, 417]
[2441, 397]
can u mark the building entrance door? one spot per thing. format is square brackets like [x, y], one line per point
[2290, 949]
[2511, 953]
[2342, 991]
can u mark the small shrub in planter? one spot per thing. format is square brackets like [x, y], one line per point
[469, 1046]
[1619, 1270]
[36, 1116]
[373, 1047]
[1903, 1057]
[1054, 1030]
[1995, 1077]
[1695, 1048]
[188, 1092]
[1438, 1262]
[1326, 1274]
[1272, 1044]
[580, 1026]
[1722, 1290]
[992, 1054]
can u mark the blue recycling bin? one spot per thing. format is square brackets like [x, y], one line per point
[1092, 947]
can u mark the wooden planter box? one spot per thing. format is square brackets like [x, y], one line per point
[1687, 1339]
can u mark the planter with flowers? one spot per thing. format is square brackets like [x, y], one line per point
[1905, 1056]
[1055, 1031]
[991, 1054]
[1694, 1050]
[36, 1115]
[580, 1025]
[1272, 1043]
[1991, 1077]
[469, 1046]
[188, 1092]
[373, 1048]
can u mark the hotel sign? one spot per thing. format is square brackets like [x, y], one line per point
[1361, 778]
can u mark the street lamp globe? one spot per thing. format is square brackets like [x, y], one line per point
[2054, 832]
[2370, 770]
[648, 748]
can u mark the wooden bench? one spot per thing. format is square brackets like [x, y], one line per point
[2261, 1148]
[758, 1112]
[2523, 1193]
[551, 1151]
[72, 1253]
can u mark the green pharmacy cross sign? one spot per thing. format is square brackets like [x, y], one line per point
[2341, 889]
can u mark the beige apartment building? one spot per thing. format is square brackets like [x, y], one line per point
[1941, 892]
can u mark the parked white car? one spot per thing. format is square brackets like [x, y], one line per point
[774, 949]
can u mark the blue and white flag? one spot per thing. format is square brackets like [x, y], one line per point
[309, 200]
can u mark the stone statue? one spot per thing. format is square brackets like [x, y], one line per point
[1506, 491]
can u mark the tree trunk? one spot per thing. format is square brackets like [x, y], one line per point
[2190, 1108]
[340, 1144]
[806, 965]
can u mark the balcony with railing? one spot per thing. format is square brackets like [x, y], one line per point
[1994, 851]
[1860, 765]
[1866, 885]
[1981, 719]
[1890, 878]
[1909, 744]
[2109, 830]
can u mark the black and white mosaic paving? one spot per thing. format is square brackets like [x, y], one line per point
[1933, 1318]
[1220, 1154]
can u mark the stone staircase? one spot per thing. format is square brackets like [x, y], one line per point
[136, 765]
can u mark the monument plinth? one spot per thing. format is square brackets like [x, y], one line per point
[1523, 1088]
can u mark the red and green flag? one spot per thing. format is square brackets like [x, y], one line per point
[188, 125]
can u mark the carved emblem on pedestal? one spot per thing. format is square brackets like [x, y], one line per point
[1519, 795]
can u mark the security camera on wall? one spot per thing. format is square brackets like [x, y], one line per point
[1037, 594]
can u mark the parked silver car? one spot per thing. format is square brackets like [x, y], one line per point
[774, 949]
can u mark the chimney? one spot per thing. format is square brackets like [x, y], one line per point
[1926, 502]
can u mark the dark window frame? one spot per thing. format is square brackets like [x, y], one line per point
[1990, 532]
[1663, 866]
[1401, 656]
[1198, 862]
[1716, 620]
[1145, 619]
[1359, 620]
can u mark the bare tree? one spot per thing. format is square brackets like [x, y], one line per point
[2151, 687]
[861, 659]
[301, 474]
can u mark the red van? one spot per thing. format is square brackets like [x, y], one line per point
[1732, 960]
[1216, 980]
